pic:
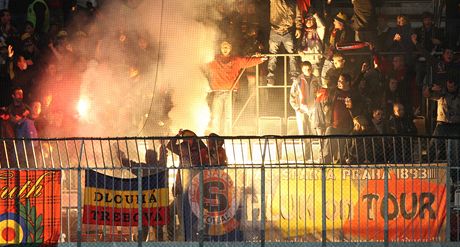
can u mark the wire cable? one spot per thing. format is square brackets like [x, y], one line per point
[156, 69]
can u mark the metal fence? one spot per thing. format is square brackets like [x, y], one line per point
[250, 190]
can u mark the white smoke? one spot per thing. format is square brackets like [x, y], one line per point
[183, 38]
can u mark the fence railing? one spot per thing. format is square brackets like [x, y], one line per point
[250, 190]
[259, 96]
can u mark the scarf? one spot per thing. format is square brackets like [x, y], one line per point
[312, 39]
[304, 89]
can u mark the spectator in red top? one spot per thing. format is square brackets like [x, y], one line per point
[223, 78]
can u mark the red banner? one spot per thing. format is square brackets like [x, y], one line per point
[30, 207]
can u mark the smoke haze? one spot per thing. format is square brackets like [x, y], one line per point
[124, 92]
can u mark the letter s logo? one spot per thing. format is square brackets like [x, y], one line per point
[215, 197]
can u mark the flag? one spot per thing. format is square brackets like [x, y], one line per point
[221, 208]
[30, 207]
[115, 202]
[304, 5]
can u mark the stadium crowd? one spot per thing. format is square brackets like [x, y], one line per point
[45, 46]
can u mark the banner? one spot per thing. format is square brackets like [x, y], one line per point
[221, 207]
[30, 207]
[114, 201]
[354, 203]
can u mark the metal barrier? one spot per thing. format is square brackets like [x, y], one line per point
[284, 82]
[366, 190]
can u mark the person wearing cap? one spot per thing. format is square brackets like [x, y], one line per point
[285, 27]
[223, 74]
[338, 33]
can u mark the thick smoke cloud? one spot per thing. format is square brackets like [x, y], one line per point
[124, 92]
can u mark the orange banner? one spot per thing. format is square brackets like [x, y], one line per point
[416, 209]
[354, 203]
[30, 207]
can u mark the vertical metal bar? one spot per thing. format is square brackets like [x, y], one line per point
[104, 228]
[448, 201]
[24, 148]
[79, 191]
[286, 99]
[323, 205]
[257, 97]
[6, 154]
[50, 148]
[288, 194]
[69, 188]
[262, 199]
[15, 146]
[201, 218]
[139, 205]
[385, 207]
[33, 154]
